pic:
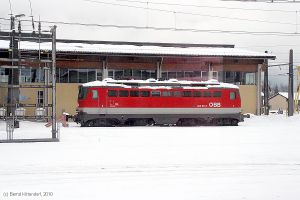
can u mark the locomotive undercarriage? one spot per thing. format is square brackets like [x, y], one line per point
[96, 120]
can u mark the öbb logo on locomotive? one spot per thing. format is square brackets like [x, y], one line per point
[151, 102]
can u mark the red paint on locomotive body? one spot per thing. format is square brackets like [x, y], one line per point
[120, 100]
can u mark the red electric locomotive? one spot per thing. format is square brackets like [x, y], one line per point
[133, 102]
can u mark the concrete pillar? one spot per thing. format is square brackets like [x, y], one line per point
[258, 86]
[159, 69]
[104, 69]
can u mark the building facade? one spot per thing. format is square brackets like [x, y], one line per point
[84, 61]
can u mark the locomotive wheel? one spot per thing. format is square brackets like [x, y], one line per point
[234, 122]
[218, 122]
[90, 123]
[187, 122]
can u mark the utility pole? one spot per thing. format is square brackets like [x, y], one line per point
[291, 86]
[54, 127]
[266, 87]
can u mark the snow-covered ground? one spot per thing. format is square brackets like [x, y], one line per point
[260, 159]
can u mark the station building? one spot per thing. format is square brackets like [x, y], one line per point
[84, 61]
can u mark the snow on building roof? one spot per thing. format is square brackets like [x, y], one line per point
[141, 49]
[285, 95]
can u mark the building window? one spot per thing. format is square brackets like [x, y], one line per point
[73, 76]
[91, 75]
[82, 76]
[99, 75]
[63, 75]
[204, 75]
[250, 78]
[40, 98]
[3, 75]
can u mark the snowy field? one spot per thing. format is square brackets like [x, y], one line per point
[260, 159]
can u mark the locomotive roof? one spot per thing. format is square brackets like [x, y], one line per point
[152, 83]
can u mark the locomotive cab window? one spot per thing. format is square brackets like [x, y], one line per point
[232, 95]
[145, 94]
[123, 93]
[82, 92]
[95, 94]
[112, 93]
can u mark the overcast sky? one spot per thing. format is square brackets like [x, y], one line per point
[100, 13]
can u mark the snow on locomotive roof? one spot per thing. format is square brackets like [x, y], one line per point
[166, 84]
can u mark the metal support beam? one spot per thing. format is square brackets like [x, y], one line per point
[258, 93]
[291, 86]
[54, 127]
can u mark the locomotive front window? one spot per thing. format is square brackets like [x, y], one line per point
[95, 94]
[155, 93]
[82, 92]
[232, 95]
[197, 94]
[112, 93]
[123, 93]
[207, 94]
[217, 94]
[134, 93]
[187, 93]
[145, 94]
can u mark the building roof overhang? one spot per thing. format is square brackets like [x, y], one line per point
[142, 49]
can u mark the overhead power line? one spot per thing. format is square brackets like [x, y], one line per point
[170, 28]
[166, 28]
[205, 6]
[189, 13]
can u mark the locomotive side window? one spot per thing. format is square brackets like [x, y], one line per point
[217, 94]
[166, 93]
[123, 93]
[155, 93]
[134, 93]
[207, 94]
[232, 95]
[145, 94]
[112, 93]
[197, 94]
[82, 92]
[187, 93]
[95, 94]
[177, 94]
